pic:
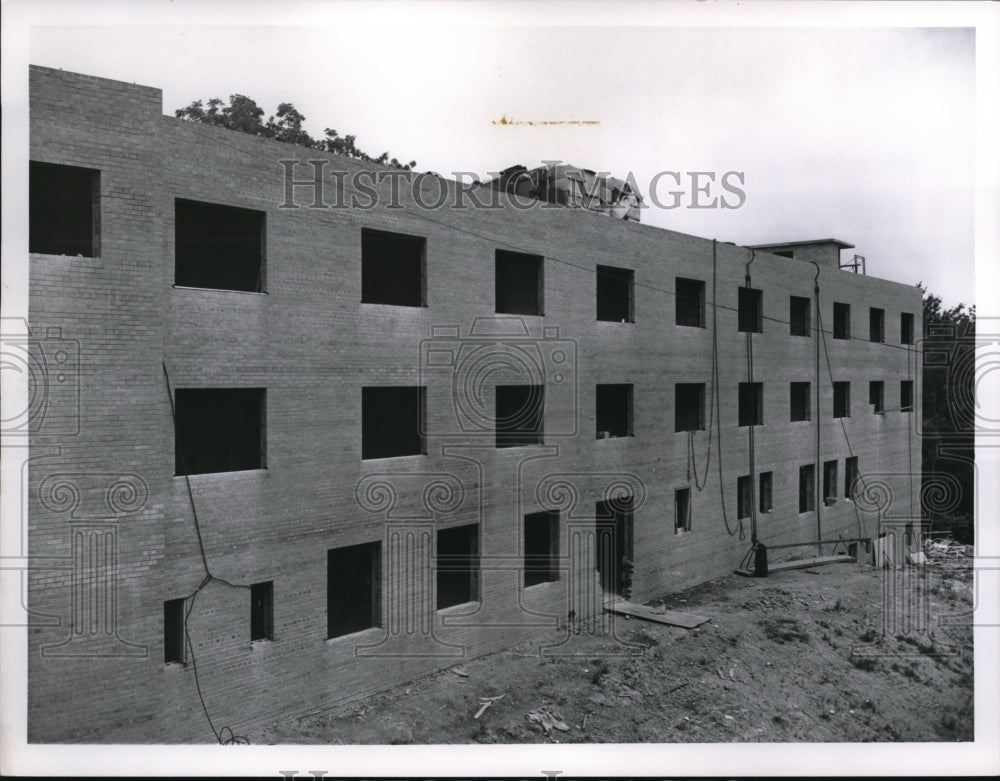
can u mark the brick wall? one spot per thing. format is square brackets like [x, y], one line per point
[310, 342]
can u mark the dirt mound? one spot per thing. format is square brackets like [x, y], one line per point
[805, 655]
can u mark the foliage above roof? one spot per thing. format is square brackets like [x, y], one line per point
[243, 114]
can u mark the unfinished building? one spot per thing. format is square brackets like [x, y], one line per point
[307, 453]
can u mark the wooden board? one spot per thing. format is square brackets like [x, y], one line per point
[883, 554]
[686, 620]
[816, 561]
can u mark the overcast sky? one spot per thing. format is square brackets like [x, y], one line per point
[864, 135]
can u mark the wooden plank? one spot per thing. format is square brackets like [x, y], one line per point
[686, 620]
[816, 561]
[884, 554]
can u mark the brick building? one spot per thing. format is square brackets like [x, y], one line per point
[307, 453]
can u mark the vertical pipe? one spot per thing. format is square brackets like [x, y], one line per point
[817, 480]
[751, 439]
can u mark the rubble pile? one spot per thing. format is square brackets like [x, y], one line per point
[946, 548]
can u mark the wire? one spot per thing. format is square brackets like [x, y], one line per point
[209, 578]
[646, 286]
[847, 439]
[711, 393]
[692, 458]
[187, 480]
[715, 389]
[422, 214]
[190, 649]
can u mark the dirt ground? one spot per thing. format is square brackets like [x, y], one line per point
[798, 656]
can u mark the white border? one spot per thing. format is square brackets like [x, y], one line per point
[527, 761]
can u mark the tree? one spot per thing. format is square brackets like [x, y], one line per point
[243, 114]
[949, 409]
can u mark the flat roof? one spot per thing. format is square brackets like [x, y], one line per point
[838, 242]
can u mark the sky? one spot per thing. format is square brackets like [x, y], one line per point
[860, 134]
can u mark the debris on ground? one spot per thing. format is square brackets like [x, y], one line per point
[648, 682]
[547, 719]
[486, 703]
[946, 548]
[659, 614]
[916, 557]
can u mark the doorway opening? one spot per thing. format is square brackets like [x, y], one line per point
[614, 548]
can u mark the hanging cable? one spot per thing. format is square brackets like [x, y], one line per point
[500, 241]
[715, 394]
[230, 738]
[187, 480]
[713, 375]
[843, 427]
[690, 444]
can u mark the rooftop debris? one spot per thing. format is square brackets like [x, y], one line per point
[568, 185]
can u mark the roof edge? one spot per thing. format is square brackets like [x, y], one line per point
[838, 242]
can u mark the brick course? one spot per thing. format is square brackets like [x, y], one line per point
[310, 342]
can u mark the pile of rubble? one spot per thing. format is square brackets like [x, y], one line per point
[946, 548]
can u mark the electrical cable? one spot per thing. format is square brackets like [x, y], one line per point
[829, 366]
[209, 578]
[421, 214]
[711, 407]
[715, 394]
[860, 478]
[714, 407]
[187, 481]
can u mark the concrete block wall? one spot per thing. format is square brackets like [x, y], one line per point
[311, 343]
